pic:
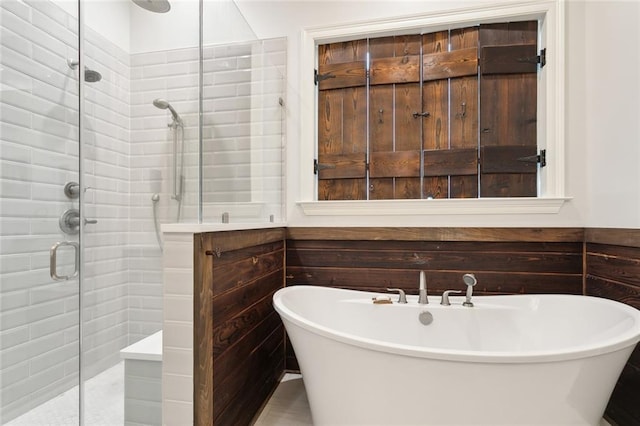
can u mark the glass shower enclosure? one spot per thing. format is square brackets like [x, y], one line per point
[116, 119]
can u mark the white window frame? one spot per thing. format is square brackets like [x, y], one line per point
[551, 185]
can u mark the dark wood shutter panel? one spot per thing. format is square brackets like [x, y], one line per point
[451, 162]
[451, 130]
[395, 139]
[456, 63]
[395, 164]
[507, 159]
[340, 76]
[342, 115]
[508, 112]
[514, 59]
[435, 127]
[405, 69]
[342, 189]
[342, 166]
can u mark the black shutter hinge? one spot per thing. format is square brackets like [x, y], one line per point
[540, 158]
[538, 59]
[542, 57]
[320, 77]
[319, 166]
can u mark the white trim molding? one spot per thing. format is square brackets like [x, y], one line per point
[458, 206]
[551, 196]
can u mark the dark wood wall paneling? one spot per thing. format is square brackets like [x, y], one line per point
[504, 261]
[613, 271]
[238, 350]
[239, 338]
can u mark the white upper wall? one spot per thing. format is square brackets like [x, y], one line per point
[136, 30]
[612, 119]
[109, 18]
[179, 28]
[290, 18]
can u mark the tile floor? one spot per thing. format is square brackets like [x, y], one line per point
[104, 404]
[288, 405]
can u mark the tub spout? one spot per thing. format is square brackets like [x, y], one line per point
[470, 280]
[402, 297]
[422, 291]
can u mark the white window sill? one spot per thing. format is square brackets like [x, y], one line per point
[463, 206]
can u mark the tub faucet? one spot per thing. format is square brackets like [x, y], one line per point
[422, 291]
[470, 280]
[445, 297]
[402, 297]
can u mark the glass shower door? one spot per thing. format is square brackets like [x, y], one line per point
[39, 214]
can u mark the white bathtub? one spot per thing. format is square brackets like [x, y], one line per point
[509, 360]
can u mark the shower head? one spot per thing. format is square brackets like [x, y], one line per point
[156, 6]
[90, 76]
[163, 104]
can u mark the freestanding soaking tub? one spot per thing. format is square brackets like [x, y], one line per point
[509, 360]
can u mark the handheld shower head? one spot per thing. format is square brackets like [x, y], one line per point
[163, 104]
[469, 279]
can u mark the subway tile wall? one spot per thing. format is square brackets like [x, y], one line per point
[38, 154]
[127, 149]
[108, 260]
[39, 321]
[177, 330]
[243, 131]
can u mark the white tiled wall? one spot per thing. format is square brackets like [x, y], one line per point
[244, 100]
[39, 321]
[177, 329]
[243, 134]
[38, 153]
[108, 263]
[127, 149]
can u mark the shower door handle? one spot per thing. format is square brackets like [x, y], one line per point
[53, 260]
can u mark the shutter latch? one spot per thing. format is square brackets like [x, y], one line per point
[540, 158]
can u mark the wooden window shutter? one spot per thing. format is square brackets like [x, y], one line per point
[394, 134]
[342, 115]
[450, 114]
[450, 96]
[508, 86]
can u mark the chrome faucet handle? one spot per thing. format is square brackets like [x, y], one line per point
[445, 297]
[402, 297]
[423, 299]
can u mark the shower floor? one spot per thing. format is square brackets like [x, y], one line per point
[104, 403]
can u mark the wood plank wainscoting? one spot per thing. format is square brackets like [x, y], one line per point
[612, 258]
[238, 337]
